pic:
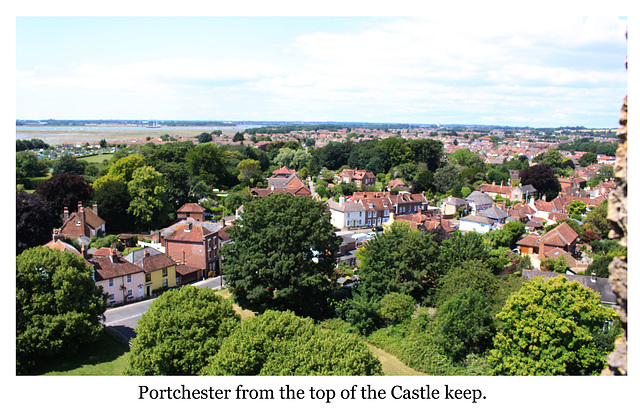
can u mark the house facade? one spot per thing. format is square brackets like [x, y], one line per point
[478, 224]
[121, 280]
[159, 269]
[359, 177]
[347, 214]
[191, 210]
[84, 222]
[193, 243]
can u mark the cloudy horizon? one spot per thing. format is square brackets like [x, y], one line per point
[542, 72]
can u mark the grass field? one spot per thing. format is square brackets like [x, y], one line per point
[96, 158]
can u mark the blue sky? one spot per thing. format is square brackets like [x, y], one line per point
[541, 72]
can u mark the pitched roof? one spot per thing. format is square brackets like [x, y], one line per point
[531, 240]
[479, 198]
[494, 212]
[152, 263]
[113, 266]
[346, 206]
[211, 227]
[561, 236]
[63, 246]
[191, 208]
[188, 232]
[478, 219]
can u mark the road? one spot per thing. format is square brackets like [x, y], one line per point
[124, 319]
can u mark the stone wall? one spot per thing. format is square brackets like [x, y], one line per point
[617, 215]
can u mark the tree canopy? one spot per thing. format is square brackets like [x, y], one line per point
[281, 343]
[34, 221]
[401, 260]
[58, 306]
[552, 327]
[282, 255]
[64, 190]
[181, 330]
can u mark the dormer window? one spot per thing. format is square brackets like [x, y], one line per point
[78, 223]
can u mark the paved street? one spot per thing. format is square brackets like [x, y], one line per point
[125, 318]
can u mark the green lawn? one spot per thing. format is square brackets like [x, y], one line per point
[97, 158]
[106, 357]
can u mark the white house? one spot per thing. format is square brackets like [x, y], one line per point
[347, 214]
[478, 224]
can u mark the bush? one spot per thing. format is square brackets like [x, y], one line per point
[396, 308]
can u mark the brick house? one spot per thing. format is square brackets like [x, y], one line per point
[193, 243]
[84, 222]
[359, 177]
[284, 178]
[378, 207]
[192, 210]
[407, 203]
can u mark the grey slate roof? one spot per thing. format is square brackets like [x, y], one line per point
[598, 285]
[479, 198]
[494, 213]
[213, 227]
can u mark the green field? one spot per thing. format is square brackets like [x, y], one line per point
[97, 158]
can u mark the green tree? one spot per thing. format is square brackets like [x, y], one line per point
[207, 162]
[396, 308]
[552, 327]
[400, 260]
[460, 247]
[248, 168]
[179, 333]
[552, 158]
[576, 207]
[281, 343]
[469, 274]
[465, 324]
[587, 159]
[122, 170]
[58, 306]
[113, 198]
[149, 205]
[28, 165]
[507, 237]
[597, 219]
[463, 157]
[446, 177]
[282, 256]
[69, 164]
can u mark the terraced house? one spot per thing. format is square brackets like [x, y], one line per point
[159, 269]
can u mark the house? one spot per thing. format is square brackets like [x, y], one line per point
[600, 286]
[451, 205]
[360, 177]
[405, 203]
[561, 236]
[479, 201]
[85, 222]
[284, 178]
[494, 190]
[264, 192]
[377, 205]
[347, 214]
[529, 245]
[192, 210]
[122, 281]
[398, 185]
[556, 253]
[57, 242]
[523, 193]
[494, 213]
[478, 224]
[193, 243]
[347, 251]
[159, 269]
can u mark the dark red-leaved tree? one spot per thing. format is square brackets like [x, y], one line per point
[63, 190]
[34, 221]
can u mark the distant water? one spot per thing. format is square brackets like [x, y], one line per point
[23, 131]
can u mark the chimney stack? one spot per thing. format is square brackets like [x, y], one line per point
[66, 214]
[112, 255]
[95, 208]
[79, 206]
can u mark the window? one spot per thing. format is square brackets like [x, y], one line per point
[110, 282]
[147, 277]
[165, 283]
[386, 212]
[164, 272]
[78, 223]
[128, 278]
[112, 297]
[369, 215]
[368, 222]
[129, 293]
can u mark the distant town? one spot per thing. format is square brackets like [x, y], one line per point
[381, 231]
